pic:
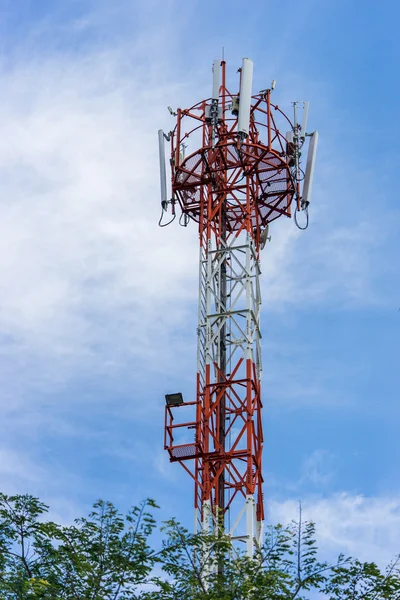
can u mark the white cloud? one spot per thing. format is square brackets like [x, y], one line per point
[317, 468]
[16, 469]
[364, 527]
[337, 262]
[82, 261]
[86, 277]
[88, 283]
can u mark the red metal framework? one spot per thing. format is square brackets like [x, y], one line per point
[232, 185]
[263, 159]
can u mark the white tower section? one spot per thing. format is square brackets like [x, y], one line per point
[229, 343]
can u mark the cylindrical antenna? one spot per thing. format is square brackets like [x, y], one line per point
[216, 79]
[309, 174]
[305, 116]
[289, 137]
[245, 97]
[163, 173]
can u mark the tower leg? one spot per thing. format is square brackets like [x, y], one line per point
[250, 523]
[207, 528]
[259, 533]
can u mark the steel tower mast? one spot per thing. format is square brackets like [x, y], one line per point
[232, 172]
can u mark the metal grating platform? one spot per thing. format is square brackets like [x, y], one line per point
[184, 451]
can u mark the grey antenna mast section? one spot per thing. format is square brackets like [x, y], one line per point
[309, 172]
[163, 173]
[214, 110]
[304, 121]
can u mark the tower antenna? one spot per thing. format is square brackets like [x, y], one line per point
[163, 172]
[246, 83]
[238, 175]
[310, 165]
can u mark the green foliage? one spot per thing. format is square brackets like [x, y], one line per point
[364, 581]
[108, 556]
[285, 567]
[102, 557]
[21, 537]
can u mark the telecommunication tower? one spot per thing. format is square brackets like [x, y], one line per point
[235, 162]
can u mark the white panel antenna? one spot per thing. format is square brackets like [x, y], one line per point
[289, 137]
[246, 84]
[295, 115]
[216, 79]
[309, 174]
[305, 117]
[163, 173]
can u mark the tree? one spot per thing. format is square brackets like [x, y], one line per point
[101, 557]
[364, 581]
[284, 568]
[287, 567]
[106, 556]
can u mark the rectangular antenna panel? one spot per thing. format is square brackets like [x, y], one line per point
[216, 79]
[246, 84]
[305, 117]
[309, 174]
[163, 173]
[289, 136]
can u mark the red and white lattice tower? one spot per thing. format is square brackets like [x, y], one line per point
[233, 171]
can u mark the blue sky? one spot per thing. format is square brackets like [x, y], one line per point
[98, 305]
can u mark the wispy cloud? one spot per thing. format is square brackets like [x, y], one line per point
[83, 262]
[364, 527]
[318, 468]
[86, 278]
[98, 305]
